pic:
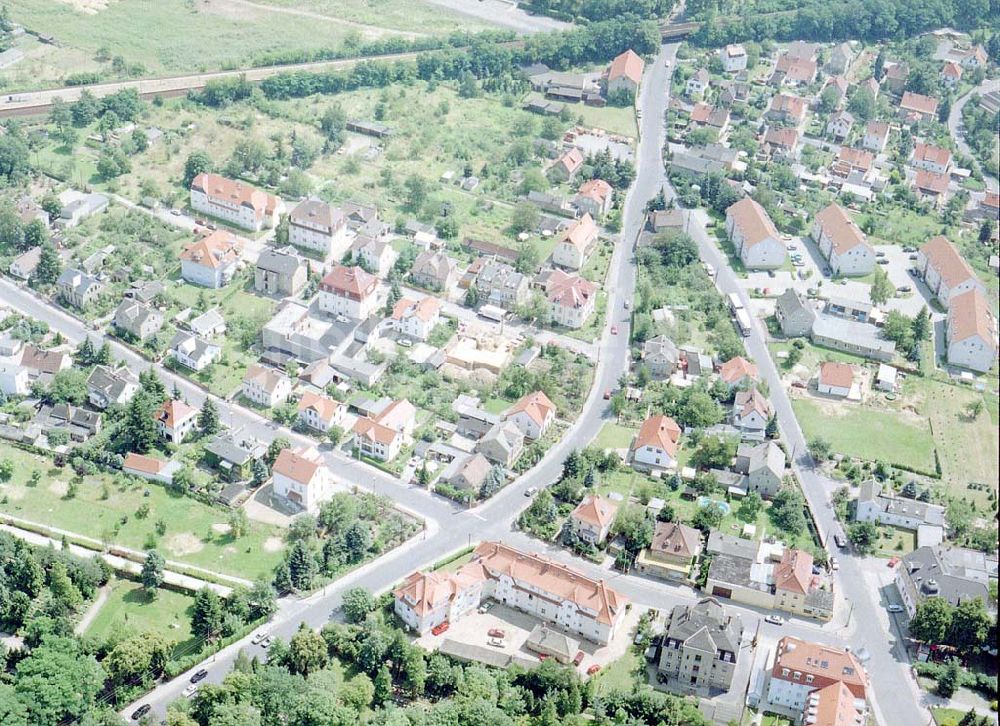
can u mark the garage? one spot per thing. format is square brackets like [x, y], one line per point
[722, 591]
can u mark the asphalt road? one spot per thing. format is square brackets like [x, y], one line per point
[956, 128]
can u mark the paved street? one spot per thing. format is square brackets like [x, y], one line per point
[956, 128]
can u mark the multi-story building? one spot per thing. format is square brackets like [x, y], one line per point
[382, 436]
[528, 582]
[734, 58]
[953, 573]
[213, 260]
[660, 356]
[700, 647]
[803, 670]
[175, 419]
[532, 415]
[875, 504]
[592, 519]
[945, 270]
[237, 203]
[930, 157]
[751, 412]
[842, 242]
[138, 320]
[416, 318]
[571, 299]
[317, 226]
[672, 553]
[655, 446]
[266, 386]
[280, 272]
[349, 291]
[625, 73]
[971, 331]
[109, 386]
[754, 236]
[575, 244]
[300, 477]
[320, 413]
[193, 352]
[77, 288]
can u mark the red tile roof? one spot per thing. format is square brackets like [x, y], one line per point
[931, 154]
[215, 250]
[660, 432]
[752, 221]
[924, 105]
[931, 181]
[145, 464]
[174, 412]
[969, 315]
[536, 406]
[839, 375]
[233, 192]
[349, 282]
[942, 256]
[844, 233]
[296, 466]
[628, 65]
[736, 369]
[827, 665]
[596, 510]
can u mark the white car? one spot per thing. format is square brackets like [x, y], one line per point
[190, 691]
[531, 491]
[894, 608]
[774, 620]
[834, 565]
[256, 639]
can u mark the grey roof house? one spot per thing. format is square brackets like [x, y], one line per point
[795, 315]
[138, 320]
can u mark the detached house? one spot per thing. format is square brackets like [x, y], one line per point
[383, 435]
[108, 387]
[77, 288]
[566, 166]
[881, 506]
[416, 319]
[592, 519]
[320, 413]
[660, 356]
[233, 455]
[24, 265]
[175, 420]
[763, 465]
[266, 386]
[502, 444]
[625, 73]
[794, 314]
[930, 157]
[237, 203]
[817, 680]
[300, 477]
[672, 553]
[373, 253]
[532, 415]
[945, 270]
[917, 107]
[317, 226]
[737, 372]
[192, 351]
[754, 236]
[931, 186]
[698, 83]
[655, 446]
[576, 243]
[213, 260]
[876, 136]
[594, 198]
[751, 412]
[734, 58]
[835, 379]
[951, 74]
[280, 272]
[787, 108]
[137, 320]
[434, 270]
[700, 646]
[349, 291]
[571, 299]
[842, 242]
[840, 124]
[971, 331]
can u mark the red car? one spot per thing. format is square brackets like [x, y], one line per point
[496, 633]
[578, 658]
[607, 395]
[440, 628]
[593, 669]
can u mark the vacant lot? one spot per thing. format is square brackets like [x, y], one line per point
[613, 436]
[107, 508]
[169, 36]
[129, 609]
[869, 433]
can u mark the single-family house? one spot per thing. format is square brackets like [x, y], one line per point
[24, 265]
[233, 455]
[951, 74]
[566, 166]
[571, 299]
[416, 318]
[137, 320]
[842, 242]
[931, 186]
[763, 465]
[592, 519]
[107, 386]
[737, 372]
[655, 446]
[835, 379]
[781, 142]
[660, 356]
[794, 314]
[301, 477]
[266, 386]
[373, 253]
[576, 243]
[192, 351]
[316, 225]
[945, 270]
[672, 553]
[213, 260]
[791, 71]
[751, 412]
[77, 288]
[876, 136]
[175, 419]
[839, 59]
[594, 198]
[434, 270]
[788, 109]
[918, 107]
[971, 331]
[147, 467]
[383, 435]
[625, 73]
[880, 505]
[698, 83]
[468, 473]
[348, 291]
[734, 58]
[320, 413]
[840, 124]
[754, 236]
[502, 444]
[533, 414]
[280, 272]
[930, 157]
[235, 202]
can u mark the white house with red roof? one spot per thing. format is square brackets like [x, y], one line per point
[416, 318]
[349, 291]
[802, 668]
[175, 419]
[842, 242]
[235, 202]
[945, 270]
[930, 157]
[532, 415]
[571, 299]
[737, 371]
[876, 136]
[918, 107]
[566, 166]
[751, 412]
[594, 198]
[835, 379]
[146, 467]
[300, 477]
[319, 412]
[655, 446]
[625, 73]
[592, 519]
[971, 331]
[427, 599]
[213, 260]
[951, 74]
[382, 436]
[575, 243]
[754, 236]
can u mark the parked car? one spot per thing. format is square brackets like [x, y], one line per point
[593, 669]
[578, 658]
[199, 675]
[200, 221]
[882, 261]
[266, 642]
[914, 257]
[531, 491]
[895, 608]
[628, 304]
[614, 330]
[189, 691]
[175, 212]
[834, 565]
[405, 342]
[496, 642]
[607, 394]
[141, 711]
[840, 539]
[440, 628]
[774, 620]
[496, 633]
[258, 638]
[880, 253]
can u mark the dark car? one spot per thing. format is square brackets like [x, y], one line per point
[199, 676]
[141, 711]
[840, 540]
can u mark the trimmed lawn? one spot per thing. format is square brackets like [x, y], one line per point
[618, 675]
[497, 405]
[868, 433]
[616, 119]
[128, 608]
[105, 508]
[947, 716]
[614, 436]
[899, 542]
[771, 719]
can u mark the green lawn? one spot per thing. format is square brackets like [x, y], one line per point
[895, 542]
[902, 226]
[947, 716]
[617, 120]
[613, 436]
[619, 675]
[771, 719]
[193, 530]
[868, 433]
[497, 405]
[128, 608]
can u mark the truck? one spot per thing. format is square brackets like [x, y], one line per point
[743, 322]
[734, 302]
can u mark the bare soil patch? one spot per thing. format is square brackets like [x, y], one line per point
[184, 543]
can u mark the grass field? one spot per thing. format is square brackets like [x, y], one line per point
[195, 532]
[868, 433]
[610, 118]
[171, 36]
[128, 608]
[898, 542]
[947, 716]
[618, 675]
[613, 436]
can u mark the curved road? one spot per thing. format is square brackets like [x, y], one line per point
[956, 128]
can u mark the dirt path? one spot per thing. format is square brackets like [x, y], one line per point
[95, 607]
[371, 31]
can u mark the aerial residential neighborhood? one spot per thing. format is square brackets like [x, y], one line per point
[511, 363]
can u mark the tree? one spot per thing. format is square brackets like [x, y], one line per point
[307, 651]
[333, 122]
[524, 217]
[139, 432]
[357, 603]
[708, 517]
[6, 470]
[67, 386]
[820, 448]
[882, 288]
[416, 192]
[750, 507]
[383, 687]
[969, 627]
[864, 536]
[301, 566]
[239, 523]
[198, 162]
[771, 430]
[62, 588]
[472, 296]
[828, 99]
[862, 104]
[208, 418]
[277, 445]
[207, 614]
[713, 452]
[922, 325]
[878, 70]
[932, 621]
[152, 572]
[786, 511]
[58, 681]
[949, 678]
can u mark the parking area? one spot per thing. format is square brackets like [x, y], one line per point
[474, 629]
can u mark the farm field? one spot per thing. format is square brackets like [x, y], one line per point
[108, 510]
[199, 35]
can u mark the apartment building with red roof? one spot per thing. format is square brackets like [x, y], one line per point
[212, 260]
[945, 270]
[971, 331]
[235, 202]
[571, 299]
[754, 236]
[382, 436]
[349, 292]
[842, 242]
[532, 415]
[319, 412]
[300, 476]
[801, 669]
